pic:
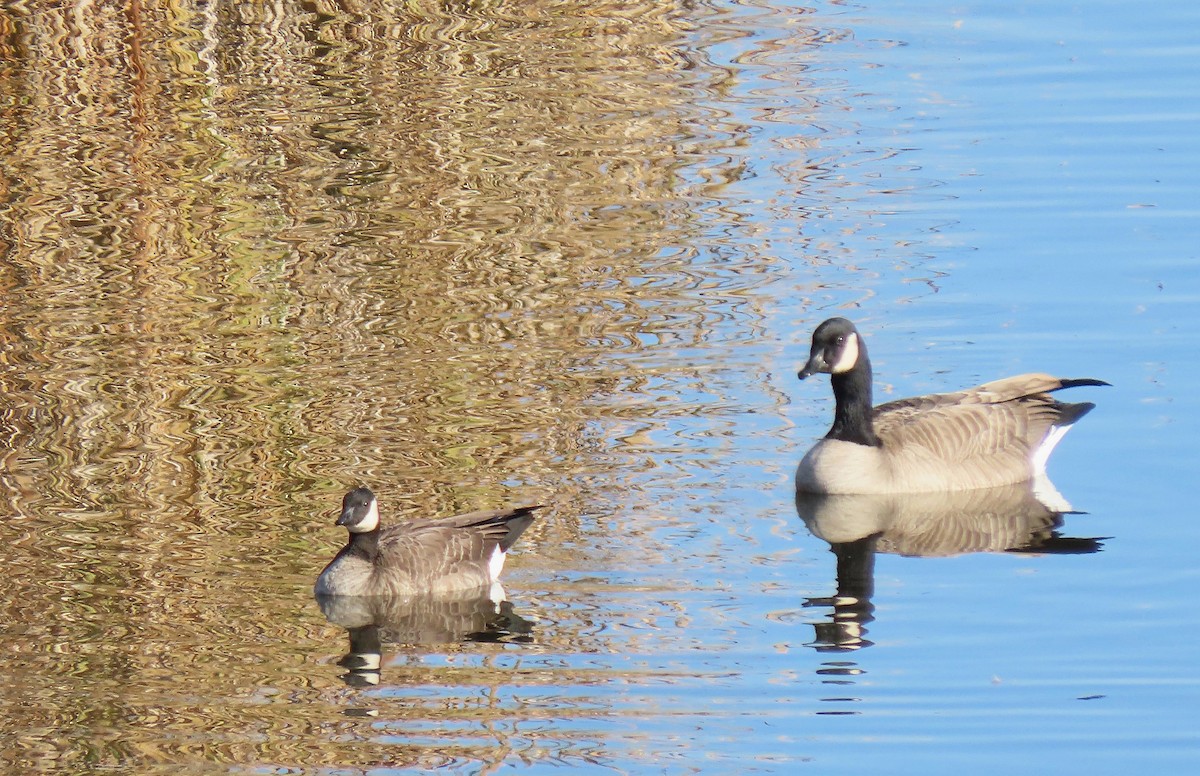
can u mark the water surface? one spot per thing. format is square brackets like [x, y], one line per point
[255, 255]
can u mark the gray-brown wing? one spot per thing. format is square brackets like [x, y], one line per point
[1006, 416]
[958, 432]
[513, 520]
[463, 544]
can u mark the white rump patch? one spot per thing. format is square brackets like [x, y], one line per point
[849, 356]
[496, 563]
[1042, 454]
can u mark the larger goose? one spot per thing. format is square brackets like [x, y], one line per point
[434, 556]
[994, 434]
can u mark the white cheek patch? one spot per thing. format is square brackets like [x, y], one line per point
[371, 521]
[849, 356]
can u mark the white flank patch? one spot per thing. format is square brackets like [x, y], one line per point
[1042, 454]
[496, 563]
[849, 356]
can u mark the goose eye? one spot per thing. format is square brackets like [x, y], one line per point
[841, 340]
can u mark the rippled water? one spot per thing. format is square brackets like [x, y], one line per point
[254, 254]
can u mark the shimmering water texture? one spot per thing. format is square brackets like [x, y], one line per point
[480, 254]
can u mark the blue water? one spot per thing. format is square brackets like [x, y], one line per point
[990, 189]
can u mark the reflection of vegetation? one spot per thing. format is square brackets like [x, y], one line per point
[252, 256]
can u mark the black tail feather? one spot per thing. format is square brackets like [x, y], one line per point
[1069, 413]
[516, 520]
[1081, 382]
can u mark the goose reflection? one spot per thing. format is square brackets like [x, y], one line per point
[418, 620]
[1023, 517]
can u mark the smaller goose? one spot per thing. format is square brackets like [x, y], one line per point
[995, 434]
[419, 556]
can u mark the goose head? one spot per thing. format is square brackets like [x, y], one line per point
[360, 511]
[836, 349]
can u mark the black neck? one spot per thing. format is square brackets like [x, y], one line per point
[852, 414]
[365, 544]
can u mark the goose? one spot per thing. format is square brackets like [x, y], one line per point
[417, 557]
[994, 434]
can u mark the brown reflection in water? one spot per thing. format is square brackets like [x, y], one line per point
[251, 255]
[1024, 517]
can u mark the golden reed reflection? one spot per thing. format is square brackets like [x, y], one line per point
[253, 253]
